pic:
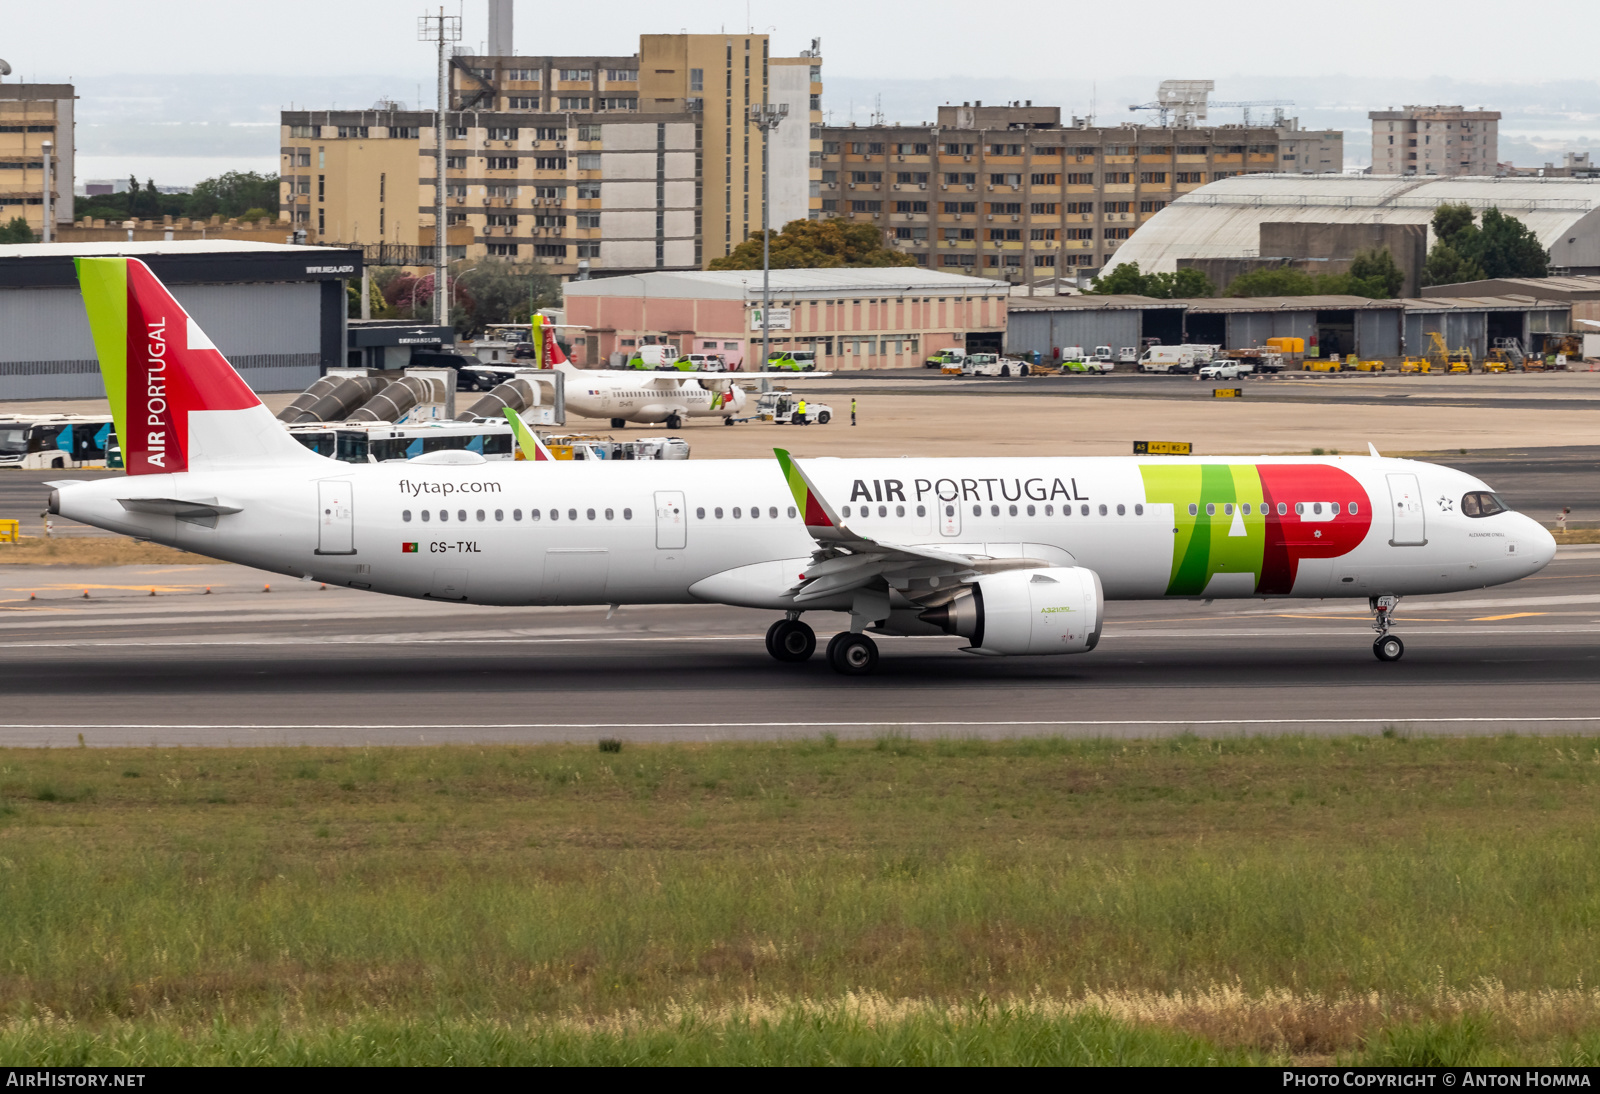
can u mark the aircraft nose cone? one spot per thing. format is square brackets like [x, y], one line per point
[1539, 544]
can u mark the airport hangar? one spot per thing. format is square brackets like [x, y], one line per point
[276, 310]
[1371, 329]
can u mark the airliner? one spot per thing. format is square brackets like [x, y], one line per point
[628, 395]
[1017, 555]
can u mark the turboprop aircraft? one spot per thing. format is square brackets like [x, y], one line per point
[627, 395]
[1018, 555]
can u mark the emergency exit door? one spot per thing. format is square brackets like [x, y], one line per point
[335, 519]
[1405, 506]
[672, 523]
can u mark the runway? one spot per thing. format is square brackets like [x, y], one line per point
[300, 664]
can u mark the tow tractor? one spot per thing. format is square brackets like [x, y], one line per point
[992, 364]
[781, 407]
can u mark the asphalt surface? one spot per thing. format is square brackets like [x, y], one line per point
[301, 664]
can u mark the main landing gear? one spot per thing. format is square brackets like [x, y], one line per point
[1387, 647]
[849, 653]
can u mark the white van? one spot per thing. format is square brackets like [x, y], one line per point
[1168, 359]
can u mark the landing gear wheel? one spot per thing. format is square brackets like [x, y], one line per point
[791, 641]
[852, 654]
[619, 423]
[727, 421]
[674, 422]
[1388, 648]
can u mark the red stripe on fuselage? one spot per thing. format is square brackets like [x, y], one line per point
[1289, 538]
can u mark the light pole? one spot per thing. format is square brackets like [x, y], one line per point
[49, 205]
[766, 117]
[443, 29]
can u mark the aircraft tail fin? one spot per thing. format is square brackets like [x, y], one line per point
[177, 402]
[529, 446]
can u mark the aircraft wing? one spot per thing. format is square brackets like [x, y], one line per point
[847, 560]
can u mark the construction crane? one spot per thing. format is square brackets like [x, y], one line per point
[1197, 108]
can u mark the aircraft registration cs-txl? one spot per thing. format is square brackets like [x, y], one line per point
[1016, 555]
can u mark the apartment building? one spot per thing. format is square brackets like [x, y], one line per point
[30, 115]
[1009, 192]
[1435, 140]
[586, 165]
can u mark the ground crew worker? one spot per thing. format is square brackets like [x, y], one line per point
[852, 410]
[800, 412]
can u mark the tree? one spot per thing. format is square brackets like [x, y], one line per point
[816, 244]
[1374, 274]
[16, 231]
[1506, 247]
[1449, 221]
[1127, 279]
[233, 193]
[1279, 281]
[1447, 266]
[500, 292]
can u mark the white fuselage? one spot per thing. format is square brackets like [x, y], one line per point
[726, 531]
[649, 397]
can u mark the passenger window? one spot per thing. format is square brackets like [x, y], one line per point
[1211, 510]
[1138, 510]
[717, 512]
[1083, 509]
[922, 511]
[846, 510]
[1013, 510]
[1299, 508]
[1246, 508]
[1282, 508]
[1227, 508]
[461, 514]
[480, 511]
[735, 508]
[1049, 510]
[772, 511]
[533, 514]
[444, 514]
[994, 510]
[1316, 506]
[627, 514]
[1030, 510]
[699, 514]
[792, 513]
[611, 514]
[977, 510]
[424, 516]
[1121, 509]
[1354, 509]
[516, 514]
[406, 516]
[1194, 510]
[499, 514]
[1102, 506]
[588, 513]
[755, 510]
[899, 510]
[572, 514]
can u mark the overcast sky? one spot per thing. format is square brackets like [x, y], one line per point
[1520, 42]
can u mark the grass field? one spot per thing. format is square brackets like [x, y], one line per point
[1370, 899]
[93, 551]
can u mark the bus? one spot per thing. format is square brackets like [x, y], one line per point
[379, 442]
[58, 441]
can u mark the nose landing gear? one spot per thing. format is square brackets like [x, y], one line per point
[1387, 647]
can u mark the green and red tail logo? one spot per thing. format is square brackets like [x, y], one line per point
[817, 514]
[529, 446]
[158, 365]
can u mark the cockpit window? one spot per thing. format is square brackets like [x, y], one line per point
[1483, 504]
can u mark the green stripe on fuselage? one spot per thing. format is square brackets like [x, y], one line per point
[1207, 544]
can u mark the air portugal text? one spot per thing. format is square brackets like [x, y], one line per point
[1036, 489]
[156, 394]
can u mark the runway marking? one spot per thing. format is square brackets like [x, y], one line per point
[1390, 719]
[1514, 615]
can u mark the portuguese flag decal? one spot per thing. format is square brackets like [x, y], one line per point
[408, 548]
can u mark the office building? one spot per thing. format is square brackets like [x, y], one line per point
[1435, 140]
[30, 115]
[1010, 192]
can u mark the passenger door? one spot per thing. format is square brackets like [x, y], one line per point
[950, 518]
[672, 523]
[1410, 519]
[335, 519]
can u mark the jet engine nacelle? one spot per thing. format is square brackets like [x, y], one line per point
[1055, 610]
